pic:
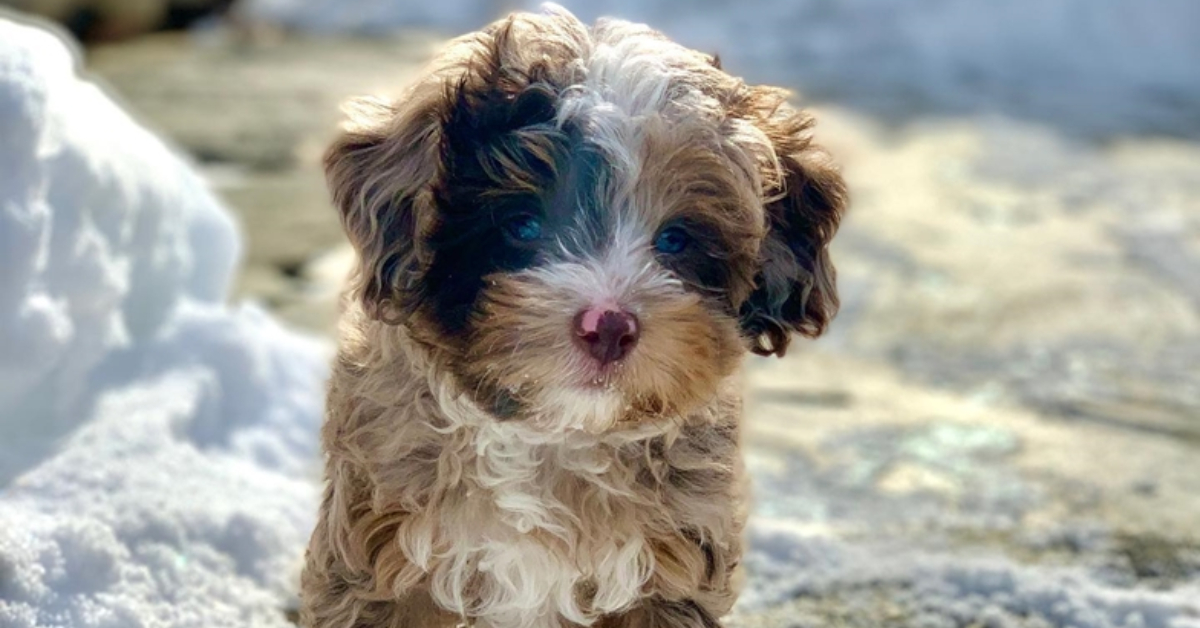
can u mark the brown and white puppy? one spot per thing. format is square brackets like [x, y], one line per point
[568, 237]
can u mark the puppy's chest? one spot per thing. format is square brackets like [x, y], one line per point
[568, 499]
[553, 531]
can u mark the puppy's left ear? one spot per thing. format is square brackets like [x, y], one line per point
[379, 171]
[796, 285]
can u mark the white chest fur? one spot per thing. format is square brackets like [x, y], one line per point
[546, 530]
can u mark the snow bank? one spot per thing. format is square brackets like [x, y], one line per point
[156, 446]
[1087, 65]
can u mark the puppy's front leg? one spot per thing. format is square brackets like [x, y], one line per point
[350, 579]
[330, 601]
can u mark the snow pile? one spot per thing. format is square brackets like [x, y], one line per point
[1086, 65]
[156, 446]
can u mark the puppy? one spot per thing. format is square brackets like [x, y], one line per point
[567, 239]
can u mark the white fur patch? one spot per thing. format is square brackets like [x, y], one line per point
[523, 541]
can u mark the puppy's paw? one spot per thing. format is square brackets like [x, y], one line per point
[659, 613]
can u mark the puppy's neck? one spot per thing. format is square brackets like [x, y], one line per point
[567, 420]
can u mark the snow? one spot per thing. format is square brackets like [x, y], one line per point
[931, 590]
[825, 542]
[157, 447]
[1092, 66]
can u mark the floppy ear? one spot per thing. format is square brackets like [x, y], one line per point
[796, 289]
[380, 172]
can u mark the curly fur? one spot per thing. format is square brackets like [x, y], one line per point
[481, 469]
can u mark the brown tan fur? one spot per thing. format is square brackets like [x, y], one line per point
[622, 506]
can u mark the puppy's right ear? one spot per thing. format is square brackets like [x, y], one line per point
[796, 289]
[380, 172]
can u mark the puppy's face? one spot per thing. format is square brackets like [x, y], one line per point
[590, 225]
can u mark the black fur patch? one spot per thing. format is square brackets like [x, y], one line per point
[470, 240]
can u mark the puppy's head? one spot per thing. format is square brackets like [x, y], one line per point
[588, 224]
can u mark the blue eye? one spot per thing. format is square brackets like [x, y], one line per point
[671, 240]
[524, 228]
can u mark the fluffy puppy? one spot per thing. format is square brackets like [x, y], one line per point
[567, 238]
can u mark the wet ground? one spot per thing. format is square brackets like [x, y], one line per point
[1015, 374]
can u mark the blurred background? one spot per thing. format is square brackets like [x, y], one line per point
[1015, 371]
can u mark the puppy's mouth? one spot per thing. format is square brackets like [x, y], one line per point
[596, 377]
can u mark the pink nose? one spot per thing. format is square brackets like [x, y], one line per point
[607, 332]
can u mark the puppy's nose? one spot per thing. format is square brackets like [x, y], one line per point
[607, 332]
